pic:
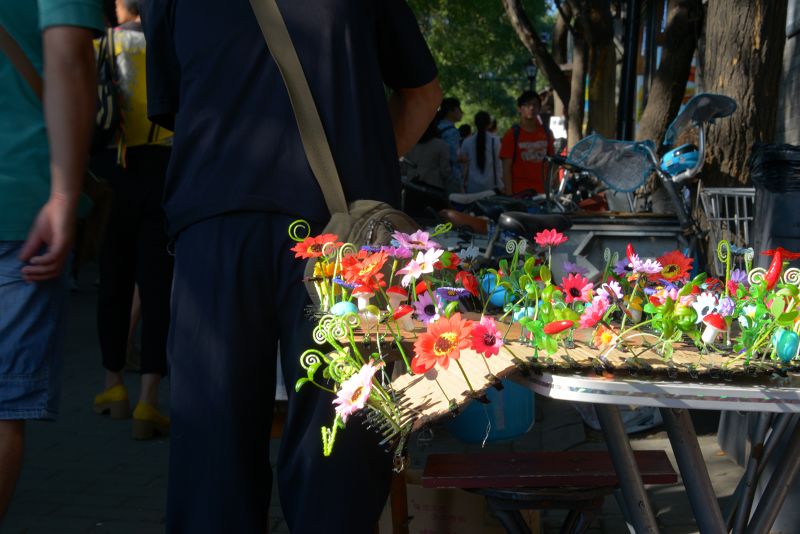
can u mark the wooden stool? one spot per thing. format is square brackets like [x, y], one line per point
[512, 481]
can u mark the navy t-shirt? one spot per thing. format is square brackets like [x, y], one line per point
[236, 144]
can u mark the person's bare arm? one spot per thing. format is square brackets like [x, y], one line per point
[507, 175]
[412, 110]
[69, 108]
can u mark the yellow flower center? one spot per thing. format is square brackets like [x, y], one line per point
[671, 270]
[444, 344]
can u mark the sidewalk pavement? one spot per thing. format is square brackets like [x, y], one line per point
[84, 473]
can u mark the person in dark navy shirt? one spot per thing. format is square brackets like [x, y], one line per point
[237, 178]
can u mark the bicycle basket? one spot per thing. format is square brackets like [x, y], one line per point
[622, 165]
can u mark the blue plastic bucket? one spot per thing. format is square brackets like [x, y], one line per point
[510, 412]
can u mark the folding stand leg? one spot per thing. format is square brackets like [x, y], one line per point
[619, 448]
[750, 478]
[771, 501]
[694, 473]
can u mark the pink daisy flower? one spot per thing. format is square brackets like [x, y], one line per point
[419, 240]
[550, 238]
[486, 339]
[354, 392]
[594, 312]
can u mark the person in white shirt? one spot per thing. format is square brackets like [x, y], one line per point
[484, 169]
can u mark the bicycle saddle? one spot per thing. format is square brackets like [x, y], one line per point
[463, 220]
[529, 224]
[702, 108]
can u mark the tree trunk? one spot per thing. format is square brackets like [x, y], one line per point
[578, 84]
[561, 33]
[547, 65]
[744, 54]
[603, 70]
[684, 24]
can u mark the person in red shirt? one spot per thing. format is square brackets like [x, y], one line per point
[524, 147]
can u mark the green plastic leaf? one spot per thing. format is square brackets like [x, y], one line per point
[451, 308]
[545, 275]
[374, 310]
[504, 266]
[650, 308]
[787, 319]
[312, 369]
[530, 266]
[778, 306]
[300, 383]
[551, 345]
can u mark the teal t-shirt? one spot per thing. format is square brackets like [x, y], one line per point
[24, 154]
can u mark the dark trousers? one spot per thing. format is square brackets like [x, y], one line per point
[134, 251]
[237, 292]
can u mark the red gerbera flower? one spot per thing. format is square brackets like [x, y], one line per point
[674, 267]
[468, 282]
[448, 260]
[363, 268]
[576, 287]
[311, 247]
[550, 238]
[443, 341]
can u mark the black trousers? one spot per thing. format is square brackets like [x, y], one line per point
[134, 251]
[237, 292]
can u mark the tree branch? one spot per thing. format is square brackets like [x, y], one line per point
[552, 71]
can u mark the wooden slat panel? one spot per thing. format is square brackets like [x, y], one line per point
[585, 469]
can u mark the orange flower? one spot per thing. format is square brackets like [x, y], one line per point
[311, 247]
[443, 341]
[674, 267]
[603, 337]
[363, 268]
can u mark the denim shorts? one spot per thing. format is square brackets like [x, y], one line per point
[31, 339]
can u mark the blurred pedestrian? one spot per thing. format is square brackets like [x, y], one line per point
[482, 150]
[46, 63]
[134, 251]
[448, 115]
[428, 162]
[524, 147]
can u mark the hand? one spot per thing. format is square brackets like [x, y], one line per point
[54, 227]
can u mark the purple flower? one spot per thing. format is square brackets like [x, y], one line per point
[450, 294]
[739, 276]
[401, 253]
[647, 266]
[622, 267]
[419, 240]
[726, 306]
[610, 289]
[341, 282]
[370, 248]
[426, 310]
[570, 267]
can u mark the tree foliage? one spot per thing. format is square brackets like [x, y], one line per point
[481, 61]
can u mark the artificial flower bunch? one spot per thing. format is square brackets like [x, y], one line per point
[427, 308]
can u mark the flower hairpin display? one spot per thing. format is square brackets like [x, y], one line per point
[413, 316]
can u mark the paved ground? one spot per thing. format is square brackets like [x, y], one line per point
[84, 473]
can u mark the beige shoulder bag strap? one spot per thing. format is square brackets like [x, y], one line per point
[312, 134]
[20, 61]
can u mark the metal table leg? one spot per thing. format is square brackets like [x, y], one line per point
[693, 470]
[750, 478]
[770, 503]
[630, 481]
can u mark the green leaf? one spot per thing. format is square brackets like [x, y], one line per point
[787, 319]
[312, 369]
[650, 308]
[545, 275]
[778, 306]
[530, 266]
[300, 383]
[504, 266]
[551, 345]
[451, 308]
